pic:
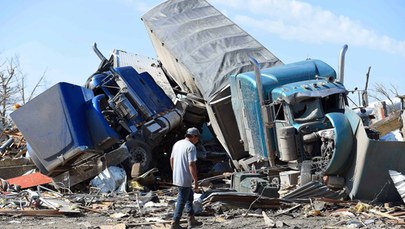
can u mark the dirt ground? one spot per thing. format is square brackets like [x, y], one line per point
[98, 221]
[230, 219]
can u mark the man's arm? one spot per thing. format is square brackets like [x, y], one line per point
[193, 170]
[171, 163]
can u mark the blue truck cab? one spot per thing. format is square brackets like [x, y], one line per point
[118, 108]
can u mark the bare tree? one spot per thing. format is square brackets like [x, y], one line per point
[8, 77]
[22, 87]
[381, 93]
[12, 87]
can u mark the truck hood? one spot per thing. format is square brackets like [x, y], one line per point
[297, 92]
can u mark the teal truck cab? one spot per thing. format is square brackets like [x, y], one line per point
[301, 102]
[295, 123]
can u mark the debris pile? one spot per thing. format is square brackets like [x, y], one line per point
[111, 199]
[13, 144]
[292, 148]
[13, 150]
[216, 206]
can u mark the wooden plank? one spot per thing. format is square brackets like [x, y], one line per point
[383, 214]
[287, 210]
[398, 213]
[116, 226]
[391, 123]
[42, 212]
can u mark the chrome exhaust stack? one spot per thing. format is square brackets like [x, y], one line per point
[341, 66]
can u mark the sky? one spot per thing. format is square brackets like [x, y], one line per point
[56, 37]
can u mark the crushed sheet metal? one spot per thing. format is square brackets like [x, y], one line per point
[91, 168]
[313, 189]
[244, 200]
[111, 179]
[399, 182]
[144, 64]
[61, 205]
[30, 180]
[367, 177]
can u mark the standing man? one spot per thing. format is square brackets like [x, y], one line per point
[183, 163]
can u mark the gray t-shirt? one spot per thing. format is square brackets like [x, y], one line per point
[183, 153]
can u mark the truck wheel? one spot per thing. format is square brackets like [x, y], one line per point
[196, 108]
[194, 118]
[140, 153]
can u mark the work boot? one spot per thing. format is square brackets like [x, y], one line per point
[192, 222]
[176, 225]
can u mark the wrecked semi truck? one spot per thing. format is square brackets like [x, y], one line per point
[282, 120]
[211, 57]
[75, 132]
[274, 121]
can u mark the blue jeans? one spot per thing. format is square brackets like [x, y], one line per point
[184, 199]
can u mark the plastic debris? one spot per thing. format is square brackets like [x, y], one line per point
[112, 179]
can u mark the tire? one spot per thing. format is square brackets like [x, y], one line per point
[196, 108]
[193, 118]
[140, 153]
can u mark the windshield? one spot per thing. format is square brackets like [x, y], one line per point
[307, 110]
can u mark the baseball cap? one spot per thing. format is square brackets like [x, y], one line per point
[193, 131]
